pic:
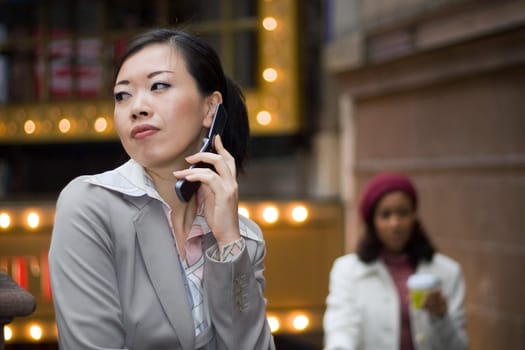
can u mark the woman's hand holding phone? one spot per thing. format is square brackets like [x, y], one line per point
[218, 193]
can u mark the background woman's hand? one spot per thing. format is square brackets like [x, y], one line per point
[218, 192]
[435, 303]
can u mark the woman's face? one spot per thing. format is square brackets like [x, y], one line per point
[394, 219]
[159, 113]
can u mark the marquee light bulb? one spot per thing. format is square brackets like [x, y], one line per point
[270, 214]
[33, 219]
[299, 213]
[264, 117]
[270, 75]
[244, 212]
[64, 125]
[29, 127]
[101, 124]
[8, 333]
[300, 322]
[274, 323]
[269, 23]
[5, 220]
[35, 332]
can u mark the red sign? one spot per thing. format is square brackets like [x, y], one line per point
[65, 59]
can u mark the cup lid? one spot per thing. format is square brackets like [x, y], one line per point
[422, 281]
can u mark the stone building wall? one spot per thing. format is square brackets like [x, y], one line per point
[440, 95]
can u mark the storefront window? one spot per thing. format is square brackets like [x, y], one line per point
[66, 49]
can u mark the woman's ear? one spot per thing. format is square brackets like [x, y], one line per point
[212, 102]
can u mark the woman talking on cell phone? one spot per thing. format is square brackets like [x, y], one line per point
[132, 265]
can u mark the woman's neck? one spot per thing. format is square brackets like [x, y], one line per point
[394, 257]
[182, 213]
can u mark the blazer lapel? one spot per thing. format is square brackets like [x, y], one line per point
[157, 246]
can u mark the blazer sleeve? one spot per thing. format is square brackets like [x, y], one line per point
[83, 278]
[235, 295]
[342, 319]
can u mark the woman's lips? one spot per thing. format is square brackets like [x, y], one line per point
[143, 131]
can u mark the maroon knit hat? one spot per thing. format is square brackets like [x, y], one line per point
[381, 184]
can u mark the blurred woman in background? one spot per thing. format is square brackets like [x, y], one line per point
[368, 306]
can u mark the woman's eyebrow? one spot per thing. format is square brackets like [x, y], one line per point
[122, 82]
[152, 74]
[149, 76]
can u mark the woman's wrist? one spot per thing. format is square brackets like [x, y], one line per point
[228, 251]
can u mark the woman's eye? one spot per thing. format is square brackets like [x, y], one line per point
[403, 212]
[159, 86]
[384, 214]
[119, 96]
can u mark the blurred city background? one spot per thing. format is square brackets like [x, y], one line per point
[337, 91]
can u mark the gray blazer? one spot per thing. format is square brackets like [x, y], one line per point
[117, 282]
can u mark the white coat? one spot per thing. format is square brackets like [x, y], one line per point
[363, 308]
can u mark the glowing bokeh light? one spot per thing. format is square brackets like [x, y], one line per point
[29, 127]
[274, 323]
[33, 220]
[270, 214]
[299, 213]
[35, 332]
[244, 212]
[64, 125]
[269, 23]
[264, 117]
[270, 75]
[101, 124]
[8, 333]
[5, 220]
[300, 322]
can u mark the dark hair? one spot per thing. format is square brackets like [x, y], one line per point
[418, 248]
[204, 65]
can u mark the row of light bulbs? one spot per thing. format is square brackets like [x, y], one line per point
[64, 126]
[31, 220]
[292, 322]
[269, 74]
[33, 331]
[271, 214]
[67, 125]
[34, 219]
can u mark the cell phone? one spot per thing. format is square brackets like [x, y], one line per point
[184, 188]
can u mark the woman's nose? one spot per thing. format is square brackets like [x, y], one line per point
[141, 107]
[394, 220]
[139, 114]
